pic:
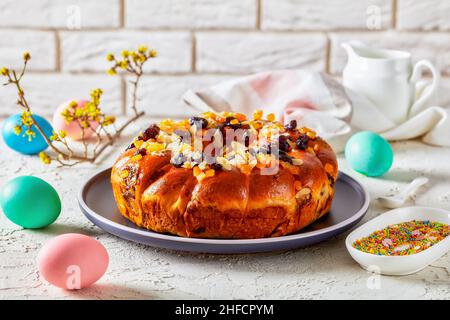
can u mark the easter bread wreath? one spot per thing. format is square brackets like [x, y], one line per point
[190, 179]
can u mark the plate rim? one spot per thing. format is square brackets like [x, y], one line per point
[89, 213]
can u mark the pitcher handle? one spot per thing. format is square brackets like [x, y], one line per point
[429, 90]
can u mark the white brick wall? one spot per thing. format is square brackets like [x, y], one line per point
[86, 51]
[160, 96]
[45, 91]
[59, 13]
[423, 14]
[251, 52]
[321, 15]
[201, 42]
[198, 14]
[41, 45]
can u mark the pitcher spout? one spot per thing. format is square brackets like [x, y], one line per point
[353, 48]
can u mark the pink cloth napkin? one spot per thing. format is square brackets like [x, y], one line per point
[317, 101]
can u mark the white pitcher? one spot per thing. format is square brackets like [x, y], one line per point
[388, 79]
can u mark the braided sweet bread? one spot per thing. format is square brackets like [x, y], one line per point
[267, 180]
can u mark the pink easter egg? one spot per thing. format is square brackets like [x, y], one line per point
[72, 261]
[73, 129]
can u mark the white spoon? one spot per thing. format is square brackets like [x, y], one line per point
[405, 196]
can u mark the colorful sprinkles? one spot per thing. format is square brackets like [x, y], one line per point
[404, 238]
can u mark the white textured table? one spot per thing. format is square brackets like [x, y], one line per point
[138, 272]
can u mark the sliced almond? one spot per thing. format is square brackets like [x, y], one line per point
[303, 193]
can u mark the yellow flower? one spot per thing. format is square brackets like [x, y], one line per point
[62, 134]
[44, 158]
[112, 72]
[123, 64]
[95, 95]
[142, 49]
[4, 71]
[153, 53]
[142, 58]
[26, 56]
[73, 105]
[125, 53]
[17, 130]
[67, 115]
[30, 134]
[79, 113]
[110, 57]
[271, 117]
[26, 119]
[54, 137]
[109, 120]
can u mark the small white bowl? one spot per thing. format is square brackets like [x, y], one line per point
[399, 265]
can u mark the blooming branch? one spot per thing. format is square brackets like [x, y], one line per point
[88, 117]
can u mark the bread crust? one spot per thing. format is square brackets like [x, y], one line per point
[158, 196]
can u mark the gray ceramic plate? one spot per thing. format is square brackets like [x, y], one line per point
[350, 204]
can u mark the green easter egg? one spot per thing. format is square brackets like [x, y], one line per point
[369, 153]
[30, 202]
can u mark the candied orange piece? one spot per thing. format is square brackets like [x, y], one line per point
[246, 169]
[210, 173]
[257, 114]
[196, 171]
[241, 116]
[270, 117]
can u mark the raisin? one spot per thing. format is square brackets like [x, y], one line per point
[247, 135]
[302, 142]
[283, 143]
[285, 157]
[141, 151]
[199, 122]
[229, 124]
[199, 230]
[291, 126]
[151, 132]
[228, 120]
[246, 141]
[216, 166]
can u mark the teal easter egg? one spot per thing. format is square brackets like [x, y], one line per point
[369, 153]
[30, 202]
[20, 143]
